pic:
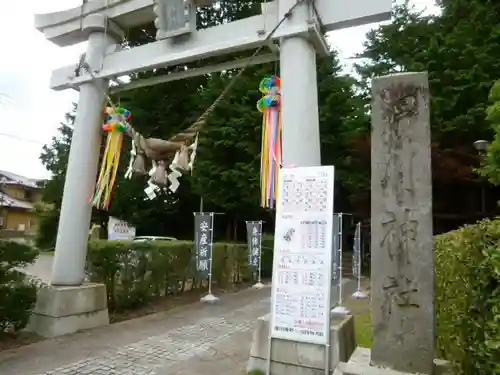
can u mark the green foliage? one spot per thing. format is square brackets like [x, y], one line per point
[228, 169]
[399, 46]
[256, 372]
[456, 48]
[137, 272]
[14, 255]
[495, 93]
[459, 50]
[490, 167]
[17, 297]
[468, 297]
[54, 157]
[364, 333]
[48, 222]
[231, 183]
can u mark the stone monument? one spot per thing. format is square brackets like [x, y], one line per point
[402, 272]
[402, 240]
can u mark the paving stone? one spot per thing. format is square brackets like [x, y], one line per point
[194, 340]
[158, 353]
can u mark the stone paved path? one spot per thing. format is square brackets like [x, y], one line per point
[198, 339]
[192, 340]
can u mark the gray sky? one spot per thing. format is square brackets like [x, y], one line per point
[30, 112]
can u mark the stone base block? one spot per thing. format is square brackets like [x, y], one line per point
[296, 358]
[359, 364]
[68, 309]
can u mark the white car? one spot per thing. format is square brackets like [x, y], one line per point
[153, 238]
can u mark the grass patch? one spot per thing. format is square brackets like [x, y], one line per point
[362, 321]
[256, 372]
[360, 309]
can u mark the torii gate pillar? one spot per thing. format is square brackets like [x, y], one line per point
[72, 235]
[301, 142]
[67, 306]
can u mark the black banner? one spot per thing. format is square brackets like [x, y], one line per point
[203, 235]
[254, 239]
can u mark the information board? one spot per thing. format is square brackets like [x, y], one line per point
[302, 265]
[119, 230]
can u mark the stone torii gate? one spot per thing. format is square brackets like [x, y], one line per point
[102, 24]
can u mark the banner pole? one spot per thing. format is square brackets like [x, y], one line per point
[259, 280]
[341, 248]
[339, 309]
[357, 238]
[254, 238]
[210, 298]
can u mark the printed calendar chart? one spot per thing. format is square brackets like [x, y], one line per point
[303, 255]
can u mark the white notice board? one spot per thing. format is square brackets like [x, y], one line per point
[302, 265]
[119, 230]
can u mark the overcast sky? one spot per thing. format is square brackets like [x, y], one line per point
[29, 111]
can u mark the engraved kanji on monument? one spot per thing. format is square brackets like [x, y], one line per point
[401, 210]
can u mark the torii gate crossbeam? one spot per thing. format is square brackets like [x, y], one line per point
[218, 40]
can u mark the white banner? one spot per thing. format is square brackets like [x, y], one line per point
[302, 266]
[119, 230]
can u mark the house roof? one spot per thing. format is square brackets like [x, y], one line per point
[10, 178]
[7, 201]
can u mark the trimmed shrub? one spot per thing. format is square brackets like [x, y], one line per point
[137, 272]
[267, 255]
[468, 297]
[17, 294]
[256, 372]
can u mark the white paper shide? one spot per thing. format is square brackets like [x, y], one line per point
[303, 255]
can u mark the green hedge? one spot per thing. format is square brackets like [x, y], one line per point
[138, 272]
[17, 294]
[468, 297]
[267, 255]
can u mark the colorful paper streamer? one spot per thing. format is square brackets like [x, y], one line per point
[117, 124]
[271, 154]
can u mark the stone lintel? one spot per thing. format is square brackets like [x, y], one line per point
[99, 23]
[64, 28]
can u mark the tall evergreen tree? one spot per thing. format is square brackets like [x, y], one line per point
[458, 49]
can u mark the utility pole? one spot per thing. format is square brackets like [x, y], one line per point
[3, 216]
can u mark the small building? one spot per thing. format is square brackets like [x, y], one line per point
[18, 194]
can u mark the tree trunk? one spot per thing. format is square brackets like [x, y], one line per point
[228, 231]
[235, 229]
